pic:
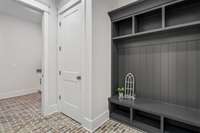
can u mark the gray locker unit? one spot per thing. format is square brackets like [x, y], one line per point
[158, 41]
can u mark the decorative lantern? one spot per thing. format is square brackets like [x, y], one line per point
[129, 86]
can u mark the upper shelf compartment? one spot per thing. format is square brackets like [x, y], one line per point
[123, 27]
[148, 21]
[174, 14]
[184, 12]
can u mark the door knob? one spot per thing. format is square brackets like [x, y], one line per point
[78, 77]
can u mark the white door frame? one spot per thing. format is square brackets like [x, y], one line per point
[67, 6]
[45, 18]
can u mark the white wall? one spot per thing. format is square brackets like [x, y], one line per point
[101, 60]
[20, 55]
[52, 59]
[20, 11]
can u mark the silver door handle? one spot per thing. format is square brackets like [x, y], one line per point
[78, 77]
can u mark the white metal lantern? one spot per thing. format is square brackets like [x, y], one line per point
[130, 86]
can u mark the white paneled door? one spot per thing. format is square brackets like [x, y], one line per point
[70, 53]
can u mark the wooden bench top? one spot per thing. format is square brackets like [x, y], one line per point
[175, 112]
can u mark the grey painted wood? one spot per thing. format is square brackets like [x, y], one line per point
[131, 116]
[190, 25]
[137, 72]
[165, 72]
[166, 62]
[172, 73]
[183, 12]
[121, 70]
[114, 68]
[133, 24]
[139, 125]
[149, 21]
[170, 111]
[181, 73]
[143, 72]
[133, 8]
[192, 75]
[156, 72]
[123, 27]
[163, 17]
[178, 14]
[162, 125]
[149, 71]
[198, 72]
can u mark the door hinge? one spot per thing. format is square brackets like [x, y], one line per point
[59, 97]
[60, 72]
[60, 48]
[60, 24]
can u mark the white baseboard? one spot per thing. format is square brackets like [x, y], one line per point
[18, 93]
[92, 125]
[51, 109]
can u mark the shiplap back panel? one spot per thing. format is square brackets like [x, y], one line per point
[168, 72]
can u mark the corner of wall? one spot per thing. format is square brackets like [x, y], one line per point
[22, 92]
[51, 109]
[92, 125]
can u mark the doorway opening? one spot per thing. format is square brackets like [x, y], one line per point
[24, 51]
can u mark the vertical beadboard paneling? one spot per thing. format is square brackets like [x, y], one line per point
[133, 62]
[149, 72]
[137, 72]
[181, 71]
[156, 80]
[164, 72]
[172, 73]
[192, 74]
[198, 72]
[168, 72]
[143, 72]
[121, 60]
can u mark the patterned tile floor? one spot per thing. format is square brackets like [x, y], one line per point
[23, 115]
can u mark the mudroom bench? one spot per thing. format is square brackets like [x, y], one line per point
[155, 116]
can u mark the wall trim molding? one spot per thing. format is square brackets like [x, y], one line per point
[35, 4]
[18, 93]
[92, 125]
[51, 109]
[68, 5]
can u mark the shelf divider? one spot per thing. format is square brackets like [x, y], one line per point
[162, 128]
[163, 17]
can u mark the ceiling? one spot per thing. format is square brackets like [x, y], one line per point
[13, 8]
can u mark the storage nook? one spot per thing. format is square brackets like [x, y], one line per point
[159, 42]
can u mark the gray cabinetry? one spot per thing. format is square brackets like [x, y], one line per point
[158, 41]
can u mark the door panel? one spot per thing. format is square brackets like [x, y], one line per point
[71, 38]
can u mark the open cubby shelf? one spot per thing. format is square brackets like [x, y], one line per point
[170, 16]
[173, 126]
[121, 113]
[148, 21]
[159, 42]
[122, 27]
[146, 121]
[147, 115]
[183, 12]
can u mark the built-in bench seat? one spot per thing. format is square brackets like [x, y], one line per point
[164, 111]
